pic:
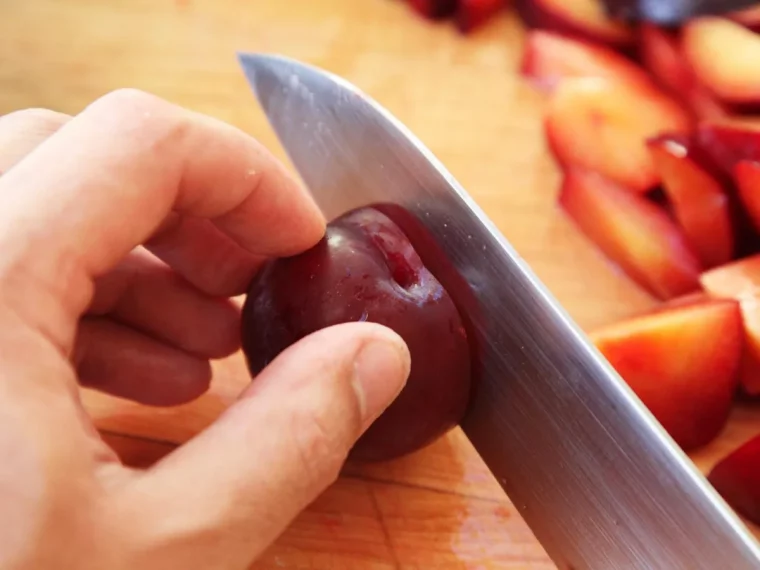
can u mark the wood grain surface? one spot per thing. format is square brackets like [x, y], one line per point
[440, 508]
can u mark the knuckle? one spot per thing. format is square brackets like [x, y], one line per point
[38, 119]
[128, 99]
[145, 117]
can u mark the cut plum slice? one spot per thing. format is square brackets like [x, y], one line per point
[601, 125]
[579, 18]
[682, 363]
[734, 78]
[661, 54]
[737, 479]
[699, 201]
[632, 232]
[471, 14]
[729, 141]
[749, 17]
[740, 280]
[549, 58]
[434, 9]
[747, 176]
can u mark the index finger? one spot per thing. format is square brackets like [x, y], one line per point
[106, 180]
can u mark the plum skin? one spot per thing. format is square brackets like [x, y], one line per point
[365, 269]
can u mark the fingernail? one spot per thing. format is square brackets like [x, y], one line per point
[380, 372]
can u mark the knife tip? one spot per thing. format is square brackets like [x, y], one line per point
[254, 66]
[260, 68]
[253, 62]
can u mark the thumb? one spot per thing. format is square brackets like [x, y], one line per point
[227, 494]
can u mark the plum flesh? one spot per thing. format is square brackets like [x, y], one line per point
[366, 269]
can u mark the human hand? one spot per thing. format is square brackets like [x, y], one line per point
[124, 232]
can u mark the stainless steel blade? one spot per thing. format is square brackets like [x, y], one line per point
[600, 483]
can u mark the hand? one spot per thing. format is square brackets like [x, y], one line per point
[124, 232]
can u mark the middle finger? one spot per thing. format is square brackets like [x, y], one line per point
[147, 295]
[204, 255]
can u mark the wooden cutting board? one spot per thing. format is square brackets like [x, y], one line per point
[439, 508]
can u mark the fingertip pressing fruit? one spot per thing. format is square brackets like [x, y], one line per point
[366, 269]
[635, 234]
[737, 479]
[682, 363]
[601, 125]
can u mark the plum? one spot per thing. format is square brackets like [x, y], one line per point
[366, 269]
[740, 280]
[682, 361]
[550, 58]
[602, 125]
[733, 80]
[584, 19]
[737, 479]
[635, 234]
[700, 203]
[661, 53]
[472, 14]
[434, 9]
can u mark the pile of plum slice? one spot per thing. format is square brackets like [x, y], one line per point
[656, 134]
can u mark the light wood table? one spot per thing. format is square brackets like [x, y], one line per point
[440, 508]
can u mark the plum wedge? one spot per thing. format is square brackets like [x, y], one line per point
[729, 141]
[661, 54]
[586, 19]
[735, 78]
[749, 17]
[635, 234]
[740, 280]
[747, 177]
[434, 9]
[472, 14]
[699, 201]
[602, 125]
[682, 362]
[737, 479]
[366, 269]
[548, 58]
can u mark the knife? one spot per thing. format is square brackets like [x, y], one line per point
[671, 12]
[598, 480]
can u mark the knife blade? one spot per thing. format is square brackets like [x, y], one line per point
[594, 475]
